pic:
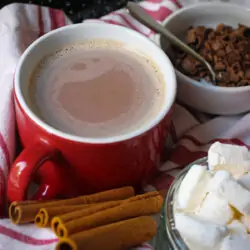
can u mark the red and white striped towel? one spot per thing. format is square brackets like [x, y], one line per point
[191, 132]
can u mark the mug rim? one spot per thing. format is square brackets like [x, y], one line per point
[113, 139]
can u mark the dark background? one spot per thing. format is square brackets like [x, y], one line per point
[78, 10]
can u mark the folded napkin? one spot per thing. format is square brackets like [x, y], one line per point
[191, 132]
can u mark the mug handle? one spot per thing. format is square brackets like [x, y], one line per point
[25, 167]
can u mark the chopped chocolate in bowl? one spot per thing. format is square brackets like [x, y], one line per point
[222, 35]
[227, 49]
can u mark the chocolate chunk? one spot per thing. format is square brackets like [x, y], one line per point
[207, 54]
[232, 57]
[236, 76]
[225, 38]
[246, 47]
[189, 65]
[217, 45]
[195, 37]
[222, 28]
[246, 65]
[246, 32]
[191, 36]
[247, 74]
[236, 67]
[226, 48]
[219, 66]
[221, 53]
[240, 25]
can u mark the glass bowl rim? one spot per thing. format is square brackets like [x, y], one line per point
[169, 230]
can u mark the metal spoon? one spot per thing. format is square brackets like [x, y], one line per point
[139, 14]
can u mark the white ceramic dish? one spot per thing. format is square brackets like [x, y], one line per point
[205, 97]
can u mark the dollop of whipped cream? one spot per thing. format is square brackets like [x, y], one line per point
[212, 206]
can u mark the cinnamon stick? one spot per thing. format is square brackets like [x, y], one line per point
[56, 221]
[60, 219]
[116, 236]
[110, 195]
[143, 196]
[44, 216]
[25, 212]
[124, 211]
[64, 218]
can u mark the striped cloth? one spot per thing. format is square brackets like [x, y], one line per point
[191, 132]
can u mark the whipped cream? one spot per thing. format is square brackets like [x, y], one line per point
[212, 206]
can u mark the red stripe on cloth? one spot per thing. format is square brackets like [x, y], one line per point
[160, 14]
[183, 156]
[40, 21]
[222, 140]
[110, 21]
[154, 1]
[160, 1]
[5, 149]
[57, 19]
[239, 142]
[130, 24]
[24, 238]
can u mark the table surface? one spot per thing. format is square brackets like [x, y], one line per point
[78, 10]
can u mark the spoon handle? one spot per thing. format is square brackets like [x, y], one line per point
[139, 14]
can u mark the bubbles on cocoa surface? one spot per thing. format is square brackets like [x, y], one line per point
[145, 102]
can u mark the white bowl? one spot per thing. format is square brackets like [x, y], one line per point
[205, 97]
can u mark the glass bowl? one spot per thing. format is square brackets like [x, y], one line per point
[168, 237]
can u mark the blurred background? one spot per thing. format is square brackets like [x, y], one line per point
[78, 10]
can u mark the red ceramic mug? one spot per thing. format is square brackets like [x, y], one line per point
[68, 165]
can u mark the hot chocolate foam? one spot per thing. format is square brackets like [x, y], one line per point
[97, 89]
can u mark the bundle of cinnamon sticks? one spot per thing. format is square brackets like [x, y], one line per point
[114, 220]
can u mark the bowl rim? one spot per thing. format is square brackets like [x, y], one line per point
[198, 6]
[168, 226]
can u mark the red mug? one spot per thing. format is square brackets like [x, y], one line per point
[68, 165]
